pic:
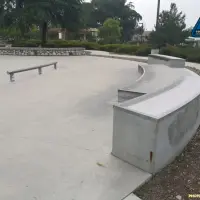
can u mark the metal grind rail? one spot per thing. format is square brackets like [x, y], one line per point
[39, 68]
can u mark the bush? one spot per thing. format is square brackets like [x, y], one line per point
[29, 43]
[142, 50]
[72, 43]
[57, 44]
[109, 47]
[189, 53]
[120, 48]
[127, 49]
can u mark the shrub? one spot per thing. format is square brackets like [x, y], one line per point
[194, 58]
[90, 45]
[71, 43]
[109, 47]
[127, 49]
[189, 53]
[120, 48]
[142, 50]
[110, 32]
[57, 44]
[28, 43]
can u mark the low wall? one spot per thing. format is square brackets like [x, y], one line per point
[126, 94]
[166, 60]
[26, 51]
[151, 130]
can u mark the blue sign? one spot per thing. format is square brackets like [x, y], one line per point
[196, 29]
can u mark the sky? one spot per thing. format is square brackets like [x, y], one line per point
[147, 8]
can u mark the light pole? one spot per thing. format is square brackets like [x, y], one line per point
[141, 30]
[158, 12]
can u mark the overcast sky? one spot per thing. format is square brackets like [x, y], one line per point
[147, 8]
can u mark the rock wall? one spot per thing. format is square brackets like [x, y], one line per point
[25, 51]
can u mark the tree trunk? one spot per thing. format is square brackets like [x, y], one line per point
[19, 6]
[44, 33]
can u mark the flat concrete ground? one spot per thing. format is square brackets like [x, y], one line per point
[56, 130]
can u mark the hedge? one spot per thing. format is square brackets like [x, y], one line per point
[56, 44]
[143, 50]
[189, 53]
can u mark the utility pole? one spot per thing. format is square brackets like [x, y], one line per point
[158, 12]
[141, 30]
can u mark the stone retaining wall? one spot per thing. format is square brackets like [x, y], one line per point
[25, 51]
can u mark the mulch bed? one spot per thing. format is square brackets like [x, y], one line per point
[180, 178]
[177, 180]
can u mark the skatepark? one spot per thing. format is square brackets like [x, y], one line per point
[58, 129]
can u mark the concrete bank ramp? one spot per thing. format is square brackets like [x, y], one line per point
[170, 61]
[153, 77]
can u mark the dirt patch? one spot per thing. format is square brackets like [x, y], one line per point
[180, 178]
[177, 180]
[197, 71]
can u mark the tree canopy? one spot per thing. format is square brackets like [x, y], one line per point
[69, 14]
[110, 32]
[101, 10]
[25, 13]
[171, 28]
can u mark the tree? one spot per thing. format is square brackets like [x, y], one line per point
[129, 22]
[25, 13]
[119, 10]
[87, 19]
[171, 28]
[110, 32]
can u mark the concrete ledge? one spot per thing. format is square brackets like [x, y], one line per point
[126, 94]
[166, 60]
[19, 51]
[121, 57]
[151, 130]
[151, 80]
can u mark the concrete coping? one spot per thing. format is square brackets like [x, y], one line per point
[166, 101]
[142, 69]
[164, 57]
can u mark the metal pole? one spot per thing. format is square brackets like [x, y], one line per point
[142, 27]
[141, 31]
[158, 12]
